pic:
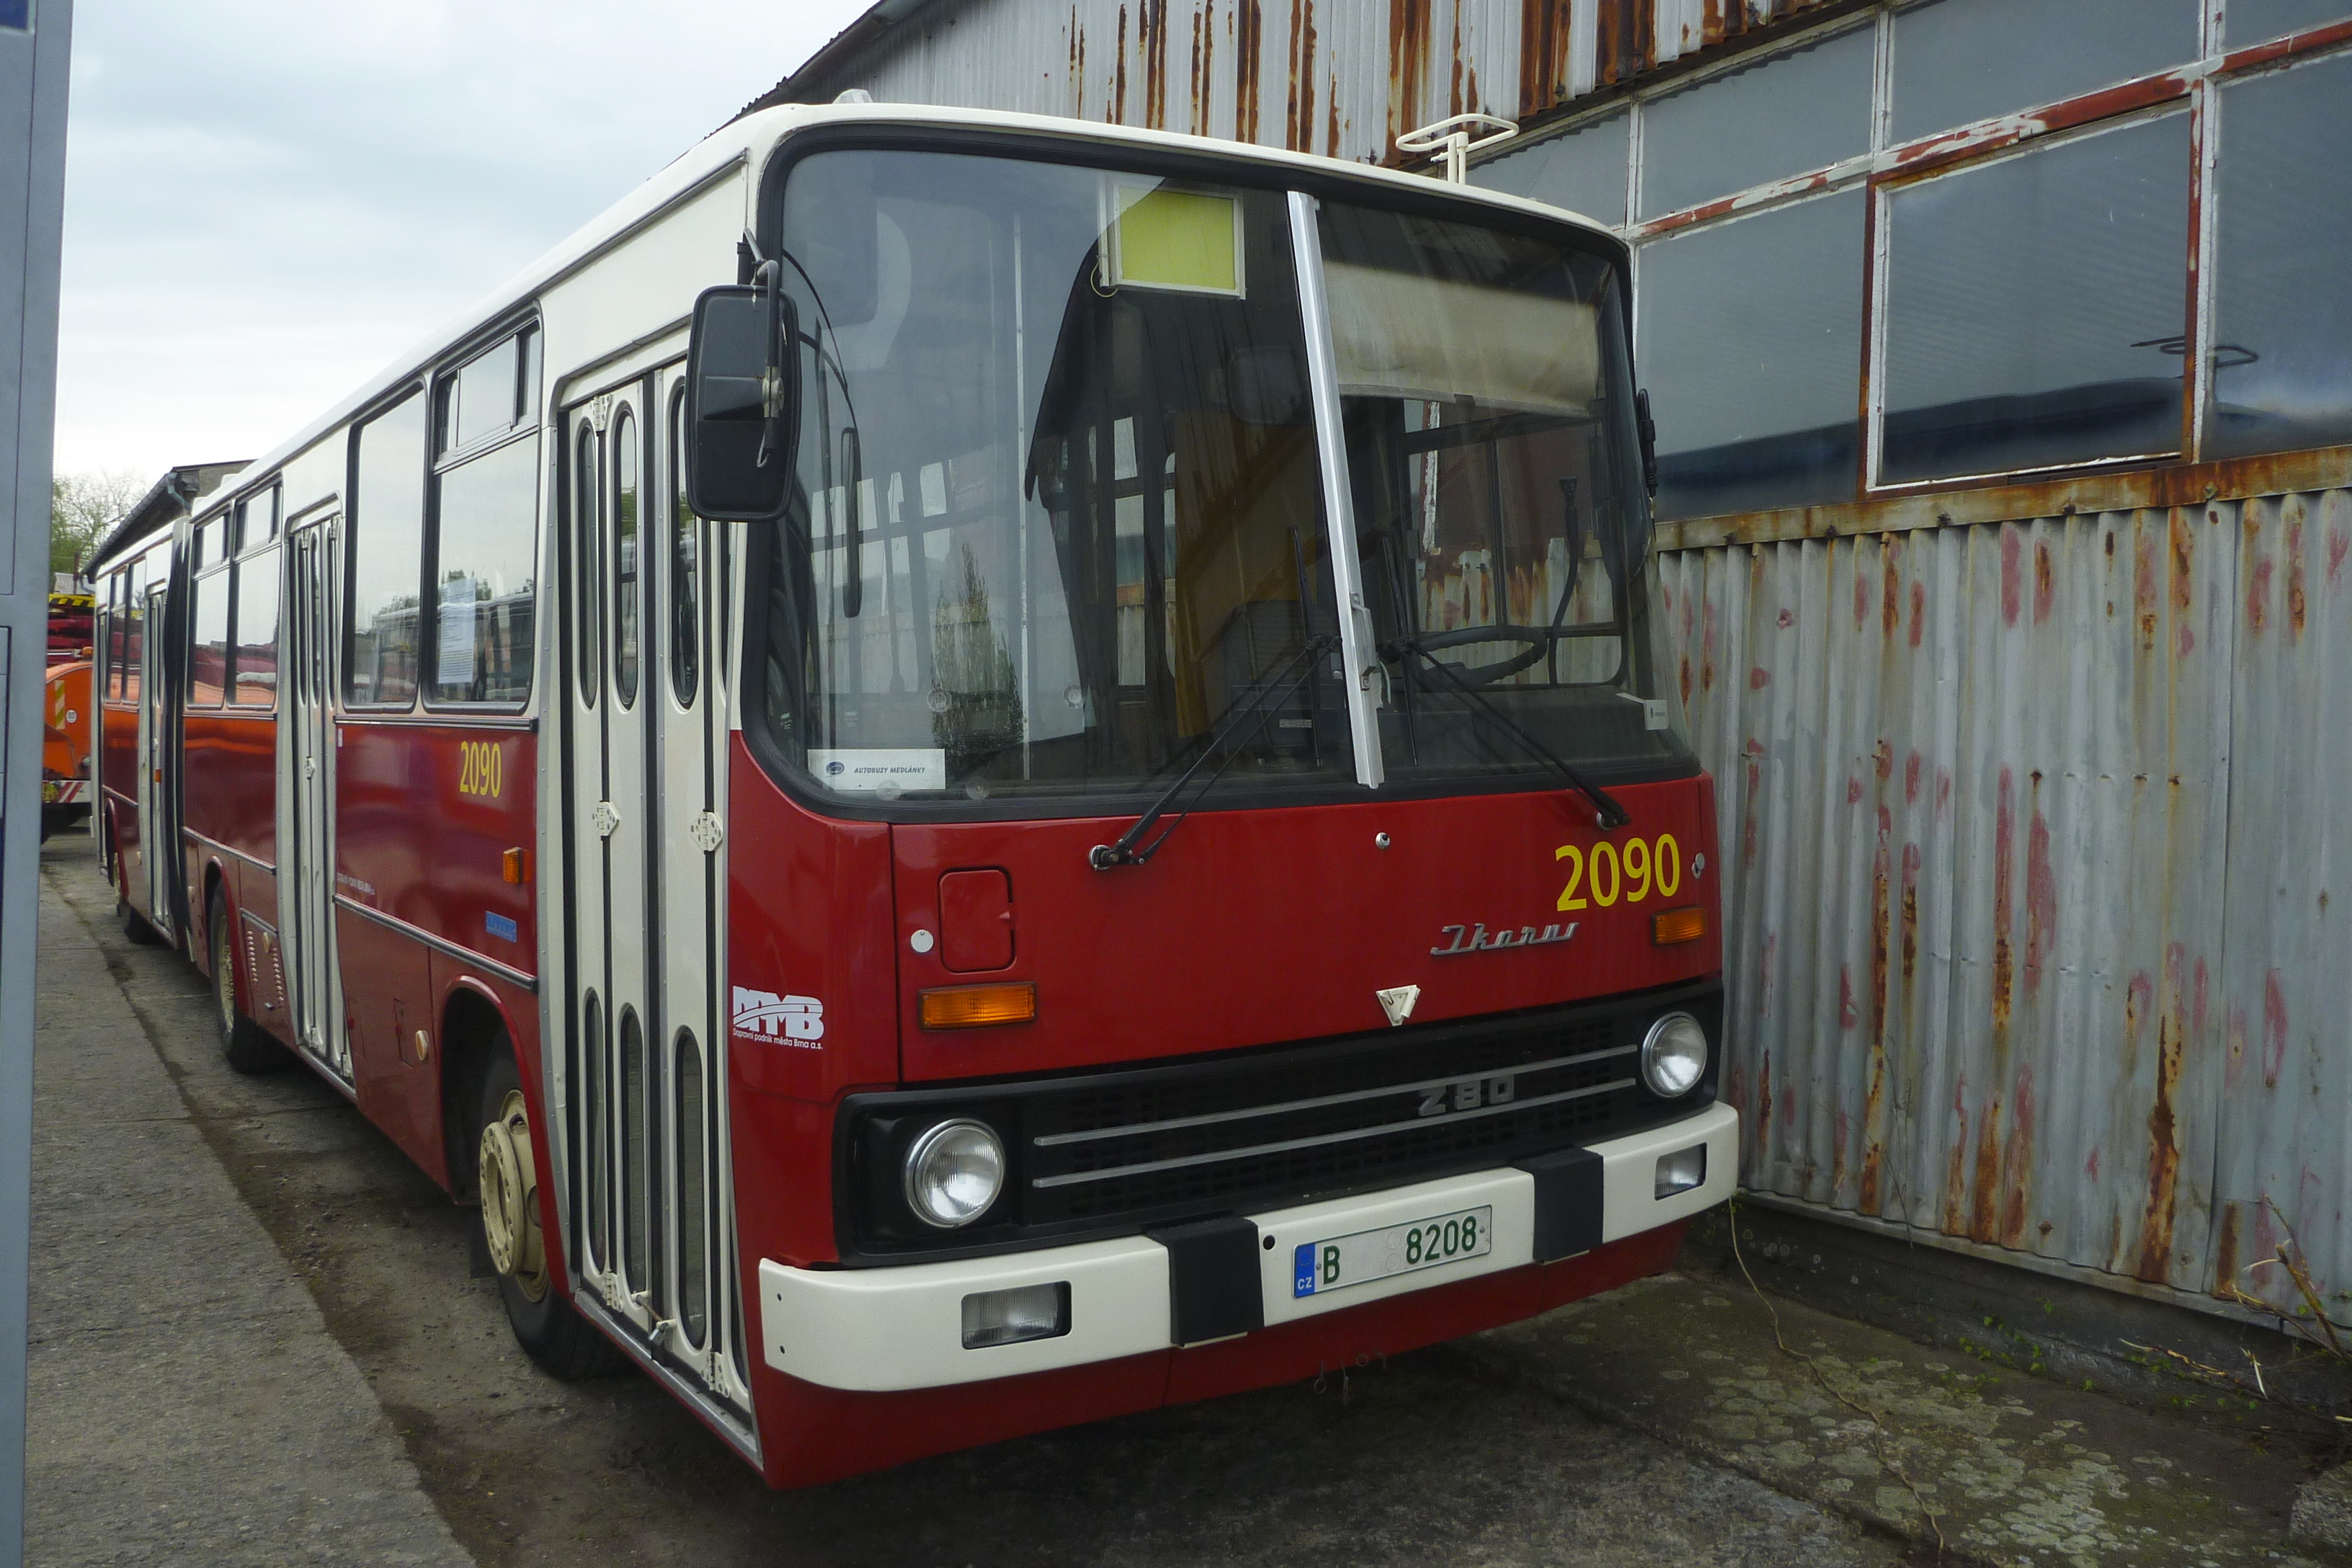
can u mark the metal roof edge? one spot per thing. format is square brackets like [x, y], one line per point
[166, 500]
[870, 25]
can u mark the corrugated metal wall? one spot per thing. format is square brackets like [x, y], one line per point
[2029, 829]
[1341, 78]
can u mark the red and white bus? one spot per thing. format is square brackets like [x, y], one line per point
[973, 772]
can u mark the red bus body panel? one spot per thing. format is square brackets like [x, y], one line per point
[429, 861]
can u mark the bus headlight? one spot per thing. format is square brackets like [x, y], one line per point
[954, 1170]
[1673, 1055]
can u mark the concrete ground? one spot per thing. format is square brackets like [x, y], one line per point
[256, 1338]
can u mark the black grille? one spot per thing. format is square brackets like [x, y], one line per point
[1116, 1150]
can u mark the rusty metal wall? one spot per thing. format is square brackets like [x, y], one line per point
[1341, 78]
[2029, 828]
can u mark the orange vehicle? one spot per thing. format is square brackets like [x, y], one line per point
[64, 746]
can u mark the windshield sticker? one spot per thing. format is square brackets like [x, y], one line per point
[794, 1020]
[883, 770]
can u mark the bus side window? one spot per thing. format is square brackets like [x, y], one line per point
[584, 493]
[208, 639]
[134, 616]
[115, 619]
[385, 527]
[254, 674]
[485, 551]
[625, 592]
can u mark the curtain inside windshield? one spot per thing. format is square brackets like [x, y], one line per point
[1060, 513]
[1501, 524]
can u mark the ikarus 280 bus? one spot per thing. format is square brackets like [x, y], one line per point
[973, 772]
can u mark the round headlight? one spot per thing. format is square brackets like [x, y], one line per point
[1673, 1055]
[953, 1173]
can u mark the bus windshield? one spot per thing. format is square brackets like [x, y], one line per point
[1060, 513]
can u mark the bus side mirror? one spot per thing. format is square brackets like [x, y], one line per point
[743, 403]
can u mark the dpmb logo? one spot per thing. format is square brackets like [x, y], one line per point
[794, 1020]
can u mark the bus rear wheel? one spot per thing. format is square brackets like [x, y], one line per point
[245, 1044]
[549, 1331]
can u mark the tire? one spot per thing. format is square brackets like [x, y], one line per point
[551, 1331]
[135, 929]
[245, 1044]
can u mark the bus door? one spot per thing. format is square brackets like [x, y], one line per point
[308, 866]
[686, 706]
[615, 945]
[648, 1124]
[158, 861]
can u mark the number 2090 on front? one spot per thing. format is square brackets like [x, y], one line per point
[1368, 1254]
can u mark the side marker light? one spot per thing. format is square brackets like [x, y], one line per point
[977, 1006]
[1678, 925]
[515, 865]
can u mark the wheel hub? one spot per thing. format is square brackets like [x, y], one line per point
[510, 1180]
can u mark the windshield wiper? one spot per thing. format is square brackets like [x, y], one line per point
[1102, 857]
[1609, 816]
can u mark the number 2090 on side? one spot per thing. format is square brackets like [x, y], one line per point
[1325, 1266]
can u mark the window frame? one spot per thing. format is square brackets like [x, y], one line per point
[428, 658]
[1890, 167]
[197, 582]
[347, 550]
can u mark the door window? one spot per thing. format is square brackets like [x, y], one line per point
[585, 494]
[624, 558]
[685, 599]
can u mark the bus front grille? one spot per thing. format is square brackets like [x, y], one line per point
[1112, 1152]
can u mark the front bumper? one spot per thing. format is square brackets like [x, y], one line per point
[877, 1329]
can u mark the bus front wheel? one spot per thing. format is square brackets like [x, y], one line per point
[551, 1332]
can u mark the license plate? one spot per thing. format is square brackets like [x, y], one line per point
[1322, 1267]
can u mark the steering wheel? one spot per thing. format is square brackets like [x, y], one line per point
[1537, 638]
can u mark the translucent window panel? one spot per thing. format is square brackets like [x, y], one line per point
[2283, 295]
[2258, 21]
[1583, 171]
[386, 529]
[2035, 307]
[486, 576]
[483, 402]
[1783, 115]
[1960, 61]
[253, 673]
[1750, 343]
[208, 650]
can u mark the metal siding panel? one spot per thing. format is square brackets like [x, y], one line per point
[1974, 788]
[2286, 990]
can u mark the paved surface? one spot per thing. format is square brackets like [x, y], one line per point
[256, 1340]
[186, 1401]
[2004, 1467]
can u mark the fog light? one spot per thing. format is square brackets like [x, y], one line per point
[1673, 1055]
[1009, 1317]
[1678, 1172]
[953, 1173]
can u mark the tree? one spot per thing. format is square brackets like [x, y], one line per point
[82, 507]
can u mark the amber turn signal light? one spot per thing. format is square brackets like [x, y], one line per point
[1678, 925]
[979, 1006]
[515, 865]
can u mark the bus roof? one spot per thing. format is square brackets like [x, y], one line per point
[747, 142]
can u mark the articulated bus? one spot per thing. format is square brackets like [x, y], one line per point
[972, 771]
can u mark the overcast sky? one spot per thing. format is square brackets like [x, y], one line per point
[266, 200]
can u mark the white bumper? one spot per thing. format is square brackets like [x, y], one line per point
[901, 1327]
